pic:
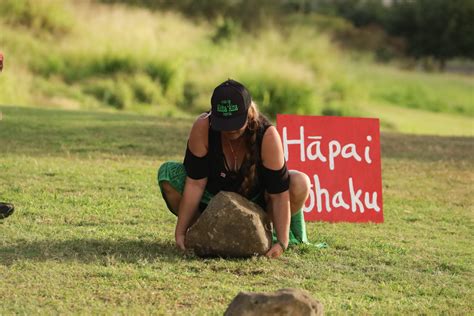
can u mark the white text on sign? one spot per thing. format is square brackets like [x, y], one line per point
[313, 150]
[310, 148]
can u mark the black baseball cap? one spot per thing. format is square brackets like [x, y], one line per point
[230, 103]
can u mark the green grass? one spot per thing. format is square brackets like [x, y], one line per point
[415, 121]
[433, 92]
[91, 234]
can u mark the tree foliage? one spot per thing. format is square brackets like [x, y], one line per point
[440, 29]
[437, 28]
[249, 14]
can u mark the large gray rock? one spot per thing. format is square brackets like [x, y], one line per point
[231, 226]
[294, 302]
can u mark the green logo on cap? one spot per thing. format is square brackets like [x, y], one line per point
[227, 108]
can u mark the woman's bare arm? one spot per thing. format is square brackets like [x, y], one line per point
[273, 158]
[193, 189]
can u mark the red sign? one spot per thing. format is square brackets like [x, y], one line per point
[341, 156]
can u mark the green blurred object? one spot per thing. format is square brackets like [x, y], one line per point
[321, 245]
[298, 227]
[297, 233]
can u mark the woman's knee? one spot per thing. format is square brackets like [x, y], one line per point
[299, 185]
[167, 188]
[171, 196]
[163, 167]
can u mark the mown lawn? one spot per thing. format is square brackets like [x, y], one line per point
[91, 234]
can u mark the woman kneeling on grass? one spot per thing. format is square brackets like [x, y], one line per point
[235, 148]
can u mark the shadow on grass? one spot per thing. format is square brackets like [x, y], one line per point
[106, 252]
[91, 251]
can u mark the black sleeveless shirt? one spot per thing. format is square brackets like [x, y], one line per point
[220, 178]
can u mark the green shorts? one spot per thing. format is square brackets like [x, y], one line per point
[175, 174]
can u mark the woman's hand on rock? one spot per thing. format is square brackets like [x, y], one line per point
[179, 238]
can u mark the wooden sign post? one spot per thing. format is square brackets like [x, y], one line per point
[341, 156]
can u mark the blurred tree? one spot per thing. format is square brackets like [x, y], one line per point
[434, 28]
[226, 29]
[359, 12]
[249, 14]
[438, 29]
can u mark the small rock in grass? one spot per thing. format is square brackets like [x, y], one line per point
[294, 302]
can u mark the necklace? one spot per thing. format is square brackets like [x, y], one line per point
[233, 154]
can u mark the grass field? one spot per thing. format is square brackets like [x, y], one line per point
[162, 63]
[91, 234]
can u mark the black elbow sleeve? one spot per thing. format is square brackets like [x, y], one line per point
[196, 167]
[276, 181]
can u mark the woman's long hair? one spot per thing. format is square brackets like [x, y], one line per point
[252, 156]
